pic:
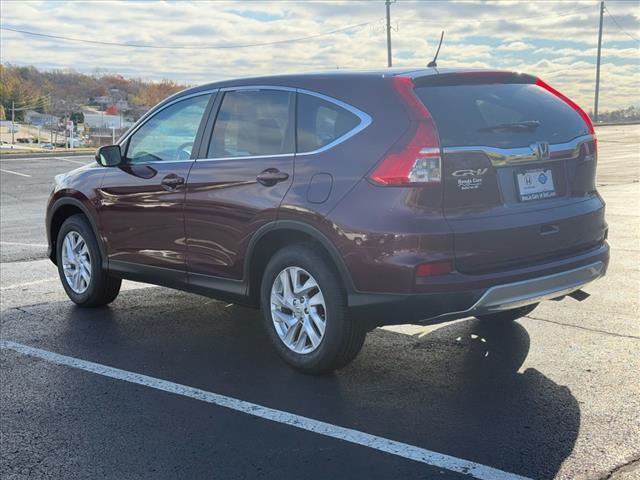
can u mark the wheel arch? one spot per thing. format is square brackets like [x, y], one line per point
[273, 236]
[62, 209]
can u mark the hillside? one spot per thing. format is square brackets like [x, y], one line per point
[63, 92]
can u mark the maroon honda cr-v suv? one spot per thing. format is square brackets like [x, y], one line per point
[337, 202]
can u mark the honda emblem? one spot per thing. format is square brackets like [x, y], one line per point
[541, 150]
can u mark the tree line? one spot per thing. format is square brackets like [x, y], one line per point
[64, 92]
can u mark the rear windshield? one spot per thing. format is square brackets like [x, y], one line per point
[500, 115]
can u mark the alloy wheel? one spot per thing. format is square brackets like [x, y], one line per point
[298, 310]
[76, 262]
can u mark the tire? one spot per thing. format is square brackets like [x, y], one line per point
[100, 289]
[508, 315]
[342, 338]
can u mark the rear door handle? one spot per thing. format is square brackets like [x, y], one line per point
[271, 176]
[172, 181]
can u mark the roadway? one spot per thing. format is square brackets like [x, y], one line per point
[554, 395]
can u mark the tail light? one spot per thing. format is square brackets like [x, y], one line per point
[417, 162]
[569, 102]
[433, 269]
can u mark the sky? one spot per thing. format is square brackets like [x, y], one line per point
[556, 40]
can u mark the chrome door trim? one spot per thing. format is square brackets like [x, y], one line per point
[365, 121]
[245, 157]
[250, 88]
[257, 87]
[159, 162]
[122, 140]
[509, 156]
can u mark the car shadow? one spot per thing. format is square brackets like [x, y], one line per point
[459, 390]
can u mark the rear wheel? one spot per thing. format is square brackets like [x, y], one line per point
[305, 313]
[80, 265]
[508, 315]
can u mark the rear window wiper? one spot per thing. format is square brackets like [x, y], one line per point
[524, 126]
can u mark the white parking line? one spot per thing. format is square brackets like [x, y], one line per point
[357, 437]
[64, 159]
[24, 159]
[28, 284]
[39, 245]
[15, 173]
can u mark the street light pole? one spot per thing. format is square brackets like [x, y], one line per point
[595, 106]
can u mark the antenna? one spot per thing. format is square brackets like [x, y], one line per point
[433, 63]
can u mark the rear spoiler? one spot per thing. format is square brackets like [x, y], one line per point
[472, 78]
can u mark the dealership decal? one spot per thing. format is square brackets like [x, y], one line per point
[469, 179]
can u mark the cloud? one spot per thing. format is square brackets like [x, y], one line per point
[557, 42]
[514, 47]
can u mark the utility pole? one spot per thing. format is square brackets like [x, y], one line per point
[595, 106]
[388, 4]
[66, 144]
[13, 122]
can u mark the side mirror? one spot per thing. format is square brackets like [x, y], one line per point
[109, 156]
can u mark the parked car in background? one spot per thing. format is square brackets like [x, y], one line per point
[338, 202]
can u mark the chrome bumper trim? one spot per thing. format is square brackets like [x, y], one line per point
[526, 292]
[519, 294]
[500, 157]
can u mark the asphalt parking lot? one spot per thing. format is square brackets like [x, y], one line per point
[164, 384]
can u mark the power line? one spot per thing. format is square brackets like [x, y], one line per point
[32, 105]
[30, 101]
[495, 20]
[186, 47]
[618, 25]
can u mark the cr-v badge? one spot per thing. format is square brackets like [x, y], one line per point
[470, 173]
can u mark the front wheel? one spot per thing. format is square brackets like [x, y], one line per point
[80, 265]
[305, 312]
[508, 315]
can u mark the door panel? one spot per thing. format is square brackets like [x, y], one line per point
[142, 216]
[241, 184]
[225, 205]
[141, 203]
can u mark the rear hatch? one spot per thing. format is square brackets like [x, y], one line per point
[518, 169]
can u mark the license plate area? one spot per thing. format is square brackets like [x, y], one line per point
[535, 184]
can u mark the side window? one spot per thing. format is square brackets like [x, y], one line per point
[252, 123]
[321, 122]
[168, 135]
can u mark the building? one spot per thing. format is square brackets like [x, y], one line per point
[102, 120]
[42, 119]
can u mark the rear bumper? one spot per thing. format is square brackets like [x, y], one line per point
[430, 308]
[518, 294]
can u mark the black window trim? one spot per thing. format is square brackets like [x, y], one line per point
[209, 131]
[123, 142]
[365, 121]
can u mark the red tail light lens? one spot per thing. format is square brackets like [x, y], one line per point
[418, 161]
[569, 102]
[431, 269]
